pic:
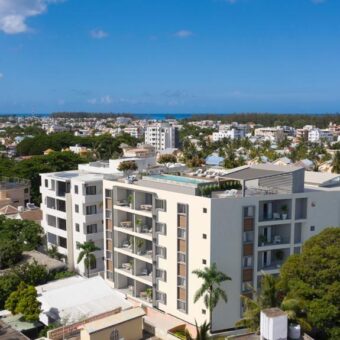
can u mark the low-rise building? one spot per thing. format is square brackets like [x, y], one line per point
[14, 192]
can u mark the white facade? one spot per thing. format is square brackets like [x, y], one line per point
[134, 131]
[233, 133]
[161, 136]
[316, 135]
[245, 233]
[72, 214]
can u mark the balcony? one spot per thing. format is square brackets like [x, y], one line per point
[277, 210]
[272, 259]
[276, 235]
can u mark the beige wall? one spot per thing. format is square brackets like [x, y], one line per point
[129, 330]
[16, 196]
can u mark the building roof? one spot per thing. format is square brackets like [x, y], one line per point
[114, 320]
[42, 259]
[8, 210]
[77, 297]
[259, 171]
[31, 215]
[322, 179]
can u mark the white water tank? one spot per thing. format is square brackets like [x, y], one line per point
[274, 324]
[294, 331]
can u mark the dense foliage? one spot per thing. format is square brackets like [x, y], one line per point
[31, 274]
[268, 119]
[167, 158]
[24, 301]
[104, 146]
[32, 167]
[314, 277]
[126, 166]
[17, 236]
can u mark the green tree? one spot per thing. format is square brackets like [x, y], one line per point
[24, 301]
[127, 166]
[86, 252]
[270, 296]
[10, 252]
[313, 277]
[336, 163]
[211, 290]
[167, 158]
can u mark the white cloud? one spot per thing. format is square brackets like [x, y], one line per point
[14, 13]
[106, 99]
[183, 34]
[92, 101]
[98, 34]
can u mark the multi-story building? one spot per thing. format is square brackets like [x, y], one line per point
[233, 133]
[161, 136]
[316, 135]
[161, 228]
[73, 214]
[14, 192]
[134, 131]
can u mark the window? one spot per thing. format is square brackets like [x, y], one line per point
[249, 212]
[181, 257]
[204, 236]
[108, 214]
[114, 335]
[76, 189]
[182, 208]
[181, 281]
[161, 228]
[91, 190]
[62, 242]
[161, 274]
[91, 228]
[247, 261]
[91, 209]
[46, 183]
[203, 311]
[248, 236]
[76, 208]
[61, 205]
[160, 204]
[50, 202]
[52, 238]
[161, 297]
[312, 228]
[61, 223]
[161, 252]
[204, 261]
[108, 193]
[51, 221]
[181, 305]
[205, 210]
[77, 227]
[246, 285]
[181, 233]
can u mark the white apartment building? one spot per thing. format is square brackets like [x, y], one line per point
[134, 131]
[161, 228]
[72, 214]
[161, 136]
[316, 135]
[233, 133]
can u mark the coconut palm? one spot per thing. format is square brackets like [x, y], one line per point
[268, 297]
[211, 290]
[86, 253]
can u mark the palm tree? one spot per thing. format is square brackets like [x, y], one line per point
[86, 253]
[202, 332]
[268, 297]
[210, 289]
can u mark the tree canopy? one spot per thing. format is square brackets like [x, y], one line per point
[314, 278]
[17, 236]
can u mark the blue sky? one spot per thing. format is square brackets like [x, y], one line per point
[170, 55]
